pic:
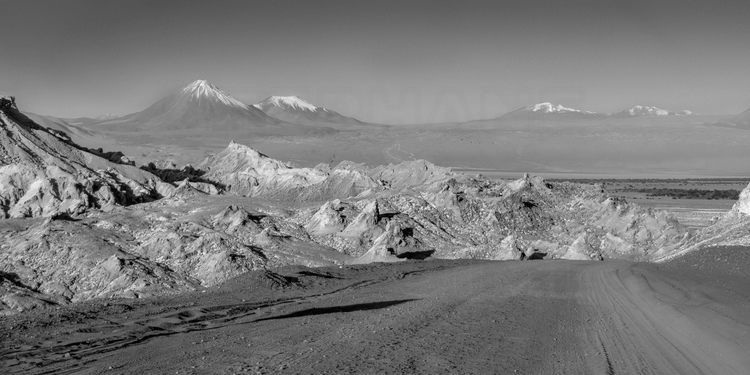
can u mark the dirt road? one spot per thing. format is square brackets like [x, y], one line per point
[538, 317]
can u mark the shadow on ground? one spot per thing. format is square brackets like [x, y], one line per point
[340, 309]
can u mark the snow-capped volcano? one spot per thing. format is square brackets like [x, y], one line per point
[647, 110]
[547, 109]
[287, 102]
[298, 111]
[199, 105]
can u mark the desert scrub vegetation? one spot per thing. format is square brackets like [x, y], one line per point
[692, 193]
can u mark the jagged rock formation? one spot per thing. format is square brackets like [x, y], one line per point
[248, 172]
[245, 171]
[42, 173]
[470, 218]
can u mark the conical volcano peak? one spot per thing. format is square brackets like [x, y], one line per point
[204, 90]
[199, 105]
[201, 85]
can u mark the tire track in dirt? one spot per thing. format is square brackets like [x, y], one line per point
[649, 324]
[561, 317]
[135, 332]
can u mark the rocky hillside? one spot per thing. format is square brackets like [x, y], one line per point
[43, 173]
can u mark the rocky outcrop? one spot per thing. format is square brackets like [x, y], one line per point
[331, 218]
[419, 174]
[742, 207]
[580, 250]
[732, 229]
[248, 172]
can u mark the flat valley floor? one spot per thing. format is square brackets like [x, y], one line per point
[690, 316]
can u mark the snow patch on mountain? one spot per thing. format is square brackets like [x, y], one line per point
[548, 107]
[649, 111]
[294, 110]
[287, 102]
[645, 110]
[203, 90]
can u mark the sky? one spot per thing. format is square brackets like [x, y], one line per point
[381, 61]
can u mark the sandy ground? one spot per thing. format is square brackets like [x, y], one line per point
[536, 317]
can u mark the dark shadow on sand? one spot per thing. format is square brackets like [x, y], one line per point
[340, 309]
[416, 255]
[317, 274]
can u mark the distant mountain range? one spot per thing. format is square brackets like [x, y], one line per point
[549, 111]
[202, 105]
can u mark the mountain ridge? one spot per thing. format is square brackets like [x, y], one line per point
[549, 110]
[649, 110]
[298, 111]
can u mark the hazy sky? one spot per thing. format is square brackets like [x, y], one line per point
[382, 61]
